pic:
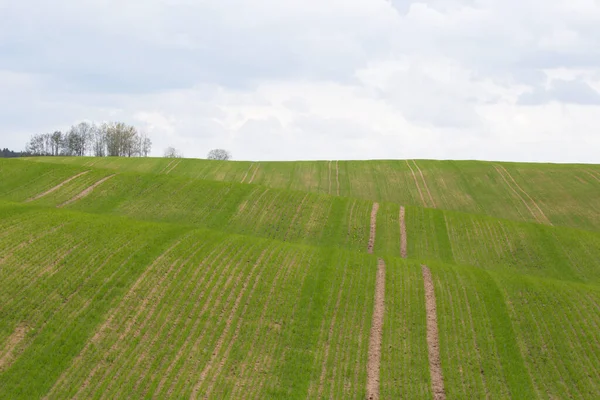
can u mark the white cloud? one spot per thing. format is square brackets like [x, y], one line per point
[306, 79]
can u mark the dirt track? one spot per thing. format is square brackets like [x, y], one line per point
[374, 363]
[433, 341]
[55, 188]
[403, 238]
[373, 228]
[86, 191]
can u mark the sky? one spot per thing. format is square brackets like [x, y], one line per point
[512, 80]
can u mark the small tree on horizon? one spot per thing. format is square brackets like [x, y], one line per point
[172, 152]
[219, 154]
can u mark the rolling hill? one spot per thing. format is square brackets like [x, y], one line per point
[158, 278]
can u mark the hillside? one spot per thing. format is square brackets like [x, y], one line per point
[155, 278]
[550, 194]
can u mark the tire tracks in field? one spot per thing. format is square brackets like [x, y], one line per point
[55, 188]
[374, 360]
[254, 174]
[14, 340]
[593, 175]
[247, 172]
[167, 167]
[371, 245]
[541, 217]
[417, 184]
[173, 167]
[87, 191]
[403, 237]
[425, 184]
[433, 339]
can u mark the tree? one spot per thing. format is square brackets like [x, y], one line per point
[172, 152]
[120, 139]
[219, 154]
[112, 139]
[144, 145]
[6, 153]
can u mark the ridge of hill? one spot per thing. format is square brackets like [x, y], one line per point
[557, 194]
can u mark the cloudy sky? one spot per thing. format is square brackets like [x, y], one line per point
[311, 79]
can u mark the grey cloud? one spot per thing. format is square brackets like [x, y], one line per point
[193, 44]
[568, 92]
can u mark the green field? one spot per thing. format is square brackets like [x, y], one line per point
[161, 278]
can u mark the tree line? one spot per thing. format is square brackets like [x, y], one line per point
[6, 153]
[113, 139]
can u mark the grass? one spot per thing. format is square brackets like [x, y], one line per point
[189, 278]
[564, 195]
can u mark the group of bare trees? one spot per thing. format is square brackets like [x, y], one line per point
[114, 139]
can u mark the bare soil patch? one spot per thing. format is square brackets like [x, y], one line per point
[86, 192]
[403, 238]
[373, 228]
[55, 188]
[374, 363]
[7, 355]
[433, 340]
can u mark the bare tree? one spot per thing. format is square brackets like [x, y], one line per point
[219, 154]
[112, 139]
[172, 152]
[144, 145]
